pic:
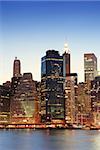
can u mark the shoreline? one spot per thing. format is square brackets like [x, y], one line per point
[44, 126]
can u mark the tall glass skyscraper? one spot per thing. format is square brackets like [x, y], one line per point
[52, 95]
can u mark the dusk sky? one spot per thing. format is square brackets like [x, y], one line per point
[28, 29]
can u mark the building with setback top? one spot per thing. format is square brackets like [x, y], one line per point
[24, 102]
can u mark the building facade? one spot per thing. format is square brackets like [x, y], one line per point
[69, 95]
[16, 68]
[83, 104]
[15, 80]
[95, 100]
[66, 60]
[24, 102]
[4, 104]
[52, 94]
[70, 83]
[90, 66]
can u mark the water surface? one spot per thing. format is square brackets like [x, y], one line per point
[49, 140]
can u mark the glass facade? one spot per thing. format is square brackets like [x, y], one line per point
[52, 99]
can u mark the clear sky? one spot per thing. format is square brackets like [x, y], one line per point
[28, 29]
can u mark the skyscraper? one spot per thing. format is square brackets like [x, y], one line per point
[4, 104]
[16, 68]
[70, 83]
[95, 100]
[52, 99]
[66, 61]
[24, 102]
[90, 66]
[16, 75]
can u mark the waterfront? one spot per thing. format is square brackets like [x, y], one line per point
[28, 139]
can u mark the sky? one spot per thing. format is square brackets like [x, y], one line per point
[29, 28]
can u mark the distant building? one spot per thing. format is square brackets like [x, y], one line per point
[7, 84]
[4, 104]
[95, 99]
[83, 104]
[90, 66]
[38, 89]
[74, 76]
[66, 61]
[15, 80]
[52, 98]
[24, 102]
[69, 93]
[69, 85]
[16, 68]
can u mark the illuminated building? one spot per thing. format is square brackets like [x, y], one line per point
[95, 100]
[4, 104]
[24, 102]
[70, 81]
[38, 89]
[16, 75]
[70, 85]
[52, 98]
[90, 66]
[14, 83]
[16, 68]
[66, 61]
[83, 104]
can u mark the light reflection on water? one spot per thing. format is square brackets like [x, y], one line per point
[49, 140]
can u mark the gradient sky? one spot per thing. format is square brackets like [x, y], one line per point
[28, 29]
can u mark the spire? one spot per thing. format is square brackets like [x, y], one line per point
[66, 48]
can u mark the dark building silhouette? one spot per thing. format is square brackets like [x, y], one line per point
[66, 61]
[7, 84]
[52, 98]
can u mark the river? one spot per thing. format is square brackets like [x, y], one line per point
[49, 140]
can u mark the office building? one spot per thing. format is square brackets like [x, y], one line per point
[15, 80]
[69, 93]
[52, 98]
[70, 83]
[24, 102]
[90, 66]
[4, 104]
[95, 100]
[83, 104]
[16, 68]
[66, 61]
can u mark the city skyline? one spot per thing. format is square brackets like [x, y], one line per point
[29, 29]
